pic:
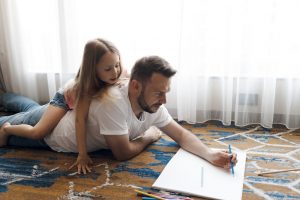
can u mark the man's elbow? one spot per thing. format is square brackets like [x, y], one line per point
[122, 156]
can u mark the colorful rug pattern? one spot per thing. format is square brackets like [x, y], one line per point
[40, 174]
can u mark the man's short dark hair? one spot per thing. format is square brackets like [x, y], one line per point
[146, 66]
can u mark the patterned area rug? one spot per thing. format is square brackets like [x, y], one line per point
[40, 174]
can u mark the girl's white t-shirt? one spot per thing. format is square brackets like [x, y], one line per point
[108, 116]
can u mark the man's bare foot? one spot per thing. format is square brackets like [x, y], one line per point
[3, 134]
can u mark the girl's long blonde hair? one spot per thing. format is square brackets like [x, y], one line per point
[86, 81]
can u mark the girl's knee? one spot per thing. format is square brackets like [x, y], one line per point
[5, 126]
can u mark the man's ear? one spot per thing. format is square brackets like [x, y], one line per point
[136, 86]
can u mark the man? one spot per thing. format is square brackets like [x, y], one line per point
[124, 120]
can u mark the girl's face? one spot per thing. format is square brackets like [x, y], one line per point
[108, 68]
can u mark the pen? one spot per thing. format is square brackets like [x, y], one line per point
[148, 198]
[231, 164]
[202, 173]
[147, 194]
[278, 171]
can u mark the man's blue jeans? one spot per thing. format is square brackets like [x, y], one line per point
[27, 112]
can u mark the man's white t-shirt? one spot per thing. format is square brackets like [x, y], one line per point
[108, 116]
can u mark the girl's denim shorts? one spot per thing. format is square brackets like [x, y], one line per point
[59, 100]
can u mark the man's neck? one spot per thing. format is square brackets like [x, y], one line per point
[135, 106]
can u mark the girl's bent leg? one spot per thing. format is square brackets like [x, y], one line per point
[48, 122]
[30, 117]
[35, 124]
[45, 125]
[3, 134]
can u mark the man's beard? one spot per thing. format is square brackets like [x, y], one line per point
[142, 103]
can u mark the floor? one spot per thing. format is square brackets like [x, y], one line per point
[41, 174]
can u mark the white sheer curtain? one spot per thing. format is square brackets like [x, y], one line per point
[42, 41]
[237, 60]
[31, 47]
[240, 62]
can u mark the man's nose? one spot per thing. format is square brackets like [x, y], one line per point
[163, 99]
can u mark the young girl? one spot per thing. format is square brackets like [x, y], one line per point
[100, 68]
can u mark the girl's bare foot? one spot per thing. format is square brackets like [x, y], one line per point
[3, 134]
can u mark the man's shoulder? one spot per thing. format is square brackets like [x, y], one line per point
[115, 96]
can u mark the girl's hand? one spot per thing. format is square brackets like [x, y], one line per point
[222, 158]
[83, 163]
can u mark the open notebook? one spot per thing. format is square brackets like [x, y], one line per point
[188, 174]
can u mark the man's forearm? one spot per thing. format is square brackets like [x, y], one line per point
[187, 140]
[194, 145]
[124, 149]
[134, 148]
